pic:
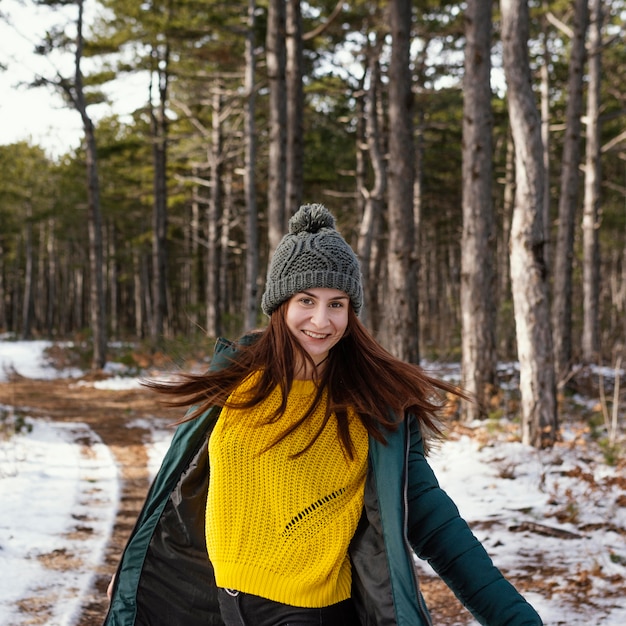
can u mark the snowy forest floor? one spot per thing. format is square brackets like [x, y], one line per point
[563, 547]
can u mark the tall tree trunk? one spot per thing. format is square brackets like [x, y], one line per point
[568, 198]
[402, 319]
[213, 304]
[96, 255]
[159, 129]
[138, 288]
[227, 304]
[97, 310]
[544, 76]
[275, 53]
[369, 229]
[29, 271]
[295, 108]
[113, 281]
[506, 331]
[528, 272]
[53, 278]
[252, 220]
[591, 204]
[192, 236]
[477, 274]
[418, 195]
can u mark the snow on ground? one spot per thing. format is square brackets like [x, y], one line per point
[59, 498]
[58, 505]
[513, 496]
[508, 492]
[26, 358]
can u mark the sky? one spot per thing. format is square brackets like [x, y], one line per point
[47, 483]
[40, 115]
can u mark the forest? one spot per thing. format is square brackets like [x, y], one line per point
[473, 153]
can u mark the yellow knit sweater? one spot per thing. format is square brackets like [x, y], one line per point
[279, 527]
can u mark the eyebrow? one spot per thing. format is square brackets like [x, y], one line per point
[308, 293]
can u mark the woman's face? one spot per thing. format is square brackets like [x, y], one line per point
[318, 319]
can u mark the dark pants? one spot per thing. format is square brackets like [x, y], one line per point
[243, 609]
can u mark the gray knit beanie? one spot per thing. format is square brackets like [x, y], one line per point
[312, 255]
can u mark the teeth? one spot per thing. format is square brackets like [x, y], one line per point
[314, 335]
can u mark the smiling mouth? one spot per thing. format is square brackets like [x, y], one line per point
[313, 335]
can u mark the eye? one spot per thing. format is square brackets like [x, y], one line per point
[306, 300]
[337, 304]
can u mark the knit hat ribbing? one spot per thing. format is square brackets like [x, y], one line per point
[311, 255]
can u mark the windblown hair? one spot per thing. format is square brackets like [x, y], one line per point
[358, 374]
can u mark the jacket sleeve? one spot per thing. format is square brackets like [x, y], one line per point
[439, 535]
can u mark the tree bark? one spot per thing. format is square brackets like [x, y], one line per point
[591, 204]
[544, 77]
[213, 304]
[505, 342]
[569, 196]
[369, 229]
[159, 128]
[275, 53]
[401, 326]
[97, 310]
[295, 109]
[528, 271]
[252, 220]
[29, 262]
[477, 274]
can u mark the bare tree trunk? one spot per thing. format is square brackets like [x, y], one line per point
[544, 73]
[146, 292]
[528, 272]
[159, 127]
[138, 296]
[295, 109]
[568, 198]
[402, 307]
[192, 237]
[477, 274]
[369, 228]
[591, 204]
[508, 200]
[275, 52]
[96, 255]
[252, 220]
[40, 303]
[418, 192]
[213, 304]
[29, 265]
[53, 278]
[114, 281]
[506, 329]
[76, 93]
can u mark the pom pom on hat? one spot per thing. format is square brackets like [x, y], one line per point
[311, 218]
[312, 255]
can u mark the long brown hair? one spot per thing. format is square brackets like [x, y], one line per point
[358, 374]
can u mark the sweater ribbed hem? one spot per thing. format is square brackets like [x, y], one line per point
[285, 589]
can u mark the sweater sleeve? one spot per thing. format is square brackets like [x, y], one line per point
[439, 535]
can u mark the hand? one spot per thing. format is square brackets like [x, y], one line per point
[110, 587]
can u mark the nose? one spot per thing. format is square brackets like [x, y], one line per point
[319, 316]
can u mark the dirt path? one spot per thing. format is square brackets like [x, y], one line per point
[110, 414]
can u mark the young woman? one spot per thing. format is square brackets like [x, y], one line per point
[297, 490]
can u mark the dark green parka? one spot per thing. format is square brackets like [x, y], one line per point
[165, 577]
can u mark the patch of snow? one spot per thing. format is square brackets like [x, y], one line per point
[27, 359]
[59, 498]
